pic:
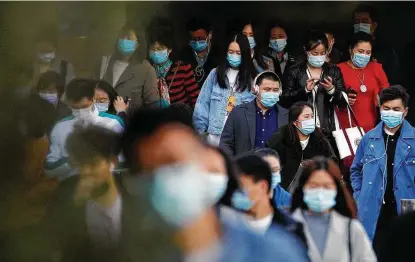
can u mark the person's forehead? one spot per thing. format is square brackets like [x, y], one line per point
[272, 161]
[100, 92]
[277, 30]
[234, 46]
[199, 33]
[394, 103]
[171, 143]
[214, 161]
[362, 15]
[269, 83]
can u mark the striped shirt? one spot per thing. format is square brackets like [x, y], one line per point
[184, 88]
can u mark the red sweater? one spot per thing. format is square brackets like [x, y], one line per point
[366, 103]
[184, 88]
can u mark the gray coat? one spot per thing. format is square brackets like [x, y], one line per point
[238, 135]
[337, 243]
[138, 82]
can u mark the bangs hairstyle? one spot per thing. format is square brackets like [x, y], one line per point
[345, 204]
[360, 37]
[112, 94]
[140, 52]
[160, 30]
[293, 113]
[50, 78]
[247, 71]
[366, 8]
[392, 93]
[315, 38]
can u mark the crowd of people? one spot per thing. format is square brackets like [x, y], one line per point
[246, 153]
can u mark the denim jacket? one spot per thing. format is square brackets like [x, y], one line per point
[210, 109]
[368, 173]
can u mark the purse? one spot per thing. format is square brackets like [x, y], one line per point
[347, 139]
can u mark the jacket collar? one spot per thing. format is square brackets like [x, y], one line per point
[407, 131]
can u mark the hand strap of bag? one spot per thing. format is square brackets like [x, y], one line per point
[351, 112]
[175, 72]
[350, 239]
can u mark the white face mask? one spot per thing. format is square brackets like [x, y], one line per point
[46, 57]
[217, 184]
[83, 112]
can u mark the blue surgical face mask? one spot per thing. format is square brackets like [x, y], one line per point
[360, 60]
[391, 118]
[102, 107]
[278, 45]
[234, 59]
[320, 199]
[217, 184]
[316, 60]
[363, 27]
[51, 98]
[269, 99]
[159, 57]
[241, 201]
[307, 126]
[276, 179]
[198, 46]
[252, 42]
[179, 193]
[126, 46]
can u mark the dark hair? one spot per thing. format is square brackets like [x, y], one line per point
[37, 117]
[325, 28]
[256, 168]
[112, 94]
[87, 142]
[51, 78]
[265, 152]
[80, 88]
[140, 53]
[293, 113]
[267, 75]
[195, 24]
[49, 35]
[183, 109]
[247, 70]
[315, 38]
[153, 118]
[161, 30]
[344, 201]
[360, 37]
[366, 8]
[272, 24]
[392, 93]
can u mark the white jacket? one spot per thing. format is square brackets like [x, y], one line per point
[56, 161]
[337, 245]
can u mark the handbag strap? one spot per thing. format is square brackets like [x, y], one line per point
[350, 239]
[174, 76]
[351, 113]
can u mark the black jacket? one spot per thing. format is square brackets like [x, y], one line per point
[292, 60]
[294, 90]
[238, 135]
[291, 155]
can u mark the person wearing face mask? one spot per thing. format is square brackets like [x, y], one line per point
[282, 199]
[47, 58]
[317, 82]
[178, 175]
[364, 80]
[227, 86]
[250, 125]
[325, 207]
[80, 95]
[200, 52]
[50, 88]
[276, 36]
[365, 20]
[129, 72]
[298, 141]
[175, 79]
[108, 101]
[384, 157]
[249, 28]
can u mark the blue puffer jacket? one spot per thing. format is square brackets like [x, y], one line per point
[210, 109]
[368, 173]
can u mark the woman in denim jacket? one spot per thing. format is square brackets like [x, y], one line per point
[227, 86]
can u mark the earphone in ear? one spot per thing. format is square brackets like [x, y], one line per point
[256, 89]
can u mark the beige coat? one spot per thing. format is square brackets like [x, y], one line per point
[337, 246]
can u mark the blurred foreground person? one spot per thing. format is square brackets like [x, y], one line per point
[94, 216]
[383, 169]
[80, 95]
[255, 199]
[128, 72]
[282, 199]
[326, 209]
[179, 177]
[250, 125]
[298, 141]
